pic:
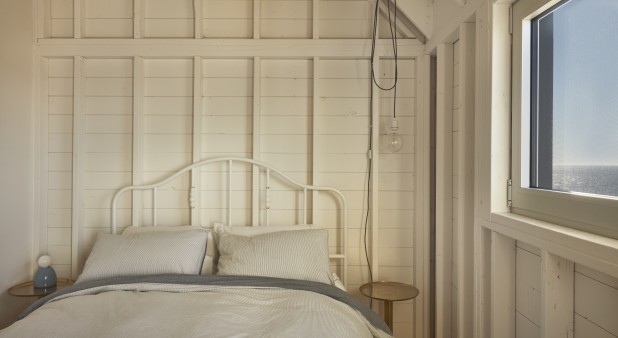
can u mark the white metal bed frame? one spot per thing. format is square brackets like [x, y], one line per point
[261, 166]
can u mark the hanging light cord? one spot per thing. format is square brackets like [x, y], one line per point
[393, 29]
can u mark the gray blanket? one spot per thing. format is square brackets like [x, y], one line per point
[238, 281]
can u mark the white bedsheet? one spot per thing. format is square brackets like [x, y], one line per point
[194, 311]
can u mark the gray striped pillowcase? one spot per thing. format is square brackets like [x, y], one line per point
[301, 254]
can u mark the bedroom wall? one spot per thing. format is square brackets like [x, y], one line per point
[111, 116]
[16, 153]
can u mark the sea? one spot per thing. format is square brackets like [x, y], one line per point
[599, 180]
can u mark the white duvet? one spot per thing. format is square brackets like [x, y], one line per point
[153, 310]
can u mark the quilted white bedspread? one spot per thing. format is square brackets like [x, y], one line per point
[175, 310]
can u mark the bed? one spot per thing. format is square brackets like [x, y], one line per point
[222, 280]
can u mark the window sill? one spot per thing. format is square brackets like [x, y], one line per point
[597, 252]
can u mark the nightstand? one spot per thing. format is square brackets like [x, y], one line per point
[389, 292]
[27, 289]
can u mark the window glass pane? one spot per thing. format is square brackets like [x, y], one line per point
[575, 98]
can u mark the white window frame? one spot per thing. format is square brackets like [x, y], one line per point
[579, 211]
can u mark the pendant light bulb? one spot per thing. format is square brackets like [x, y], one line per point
[395, 141]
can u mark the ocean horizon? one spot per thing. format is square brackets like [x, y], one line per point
[591, 179]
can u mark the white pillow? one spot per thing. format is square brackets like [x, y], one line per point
[301, 254]
[148, 253]
[208, 268]
[250, 231]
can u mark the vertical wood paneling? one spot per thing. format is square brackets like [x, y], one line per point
[444, 186]
[557, 289]
[502, 286]
[78, 18]
[466, 184]
[315, 131]
[197, 22]
[195, 198]
[455, 141]
[257, 149]
[76, 186]
[138, 141]
[138, 18]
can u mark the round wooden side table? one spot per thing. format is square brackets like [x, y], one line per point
[27, 289]
[388, 292]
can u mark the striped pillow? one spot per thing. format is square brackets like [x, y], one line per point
[147, 253]
[301, 254]
[208, 268]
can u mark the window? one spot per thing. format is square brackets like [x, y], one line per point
[565, 113]
[574, 108]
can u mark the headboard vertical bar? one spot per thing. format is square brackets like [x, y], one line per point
[267, 196]
[229, 192]
[154, 206]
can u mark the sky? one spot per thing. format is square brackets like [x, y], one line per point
[586, 83]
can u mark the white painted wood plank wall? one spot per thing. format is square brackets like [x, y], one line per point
[144, 114]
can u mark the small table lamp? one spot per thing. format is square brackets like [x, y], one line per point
[45, 276]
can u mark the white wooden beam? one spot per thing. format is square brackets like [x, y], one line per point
[444, 188]
[482, 282]
[40, 234]
[557, 296]
[257, 96]
[502, 286]
[79, 79]
[43, 22]
[335, 48]
[482, 237]
[315, 133]
[500, 107]
[195, 204]
[138, 139]
[138, 19]
[374, 205]
[78, 18]
[197, 19]
[257, 18]
[316, 19]
[465, 200]
[422, 197]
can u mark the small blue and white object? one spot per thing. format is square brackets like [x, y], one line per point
[45, 276]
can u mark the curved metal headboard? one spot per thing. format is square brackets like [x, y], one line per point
[263, 167]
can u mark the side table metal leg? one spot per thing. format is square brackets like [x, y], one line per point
[388, 313]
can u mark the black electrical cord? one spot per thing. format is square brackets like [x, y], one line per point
[393, 30]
